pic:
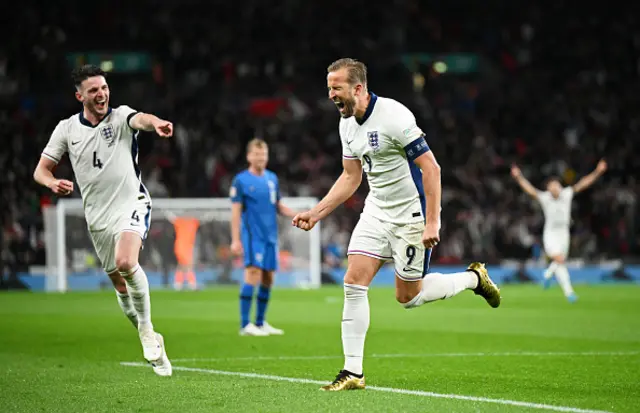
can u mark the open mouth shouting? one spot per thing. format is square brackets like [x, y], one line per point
[342, 107]
[101, 104]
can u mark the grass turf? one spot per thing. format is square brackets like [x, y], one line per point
[61, 353]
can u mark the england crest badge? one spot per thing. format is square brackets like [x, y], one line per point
[108, 134]
[374, 141]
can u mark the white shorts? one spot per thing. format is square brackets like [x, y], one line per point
[137, 219]
[556, 243]
[386, 241]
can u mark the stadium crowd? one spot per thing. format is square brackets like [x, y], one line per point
[557, 89]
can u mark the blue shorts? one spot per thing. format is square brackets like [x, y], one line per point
[260, 254]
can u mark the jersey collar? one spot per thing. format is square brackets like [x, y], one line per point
[85, 122]
[367, 113]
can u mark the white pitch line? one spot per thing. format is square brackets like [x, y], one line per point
[504, 354]
[421, 393]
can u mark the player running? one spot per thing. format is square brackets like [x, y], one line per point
[556, 207]
[103, 148]
[401, 216]
[255, 194]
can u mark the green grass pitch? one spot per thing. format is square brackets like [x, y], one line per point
[63, 353]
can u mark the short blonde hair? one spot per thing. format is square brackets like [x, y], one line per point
[357, 71]
[256, 143]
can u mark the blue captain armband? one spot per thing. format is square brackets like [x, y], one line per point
[416, 148]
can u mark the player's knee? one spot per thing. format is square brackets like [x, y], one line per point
[125, 264]
[356, 276]
[559, 259]
[252, 275]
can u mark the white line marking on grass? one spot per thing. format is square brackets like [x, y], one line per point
[421, 393]
[504, 354]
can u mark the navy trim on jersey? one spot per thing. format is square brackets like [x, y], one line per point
[427, 260]
[416, 174]
[416, 148]
[132, 114]
[369, 110]
[147, 218]
[53, 158]
[85, 122]
[134, 158]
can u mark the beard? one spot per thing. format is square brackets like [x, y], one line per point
[346, 107]
[99, 109]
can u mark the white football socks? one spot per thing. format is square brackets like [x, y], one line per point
[553, 267]
[138, 287]
[355, 323]
[436, 286]
[127, 307]
[563, 278]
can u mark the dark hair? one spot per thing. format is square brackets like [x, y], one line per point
[80, 74]
[552, 179]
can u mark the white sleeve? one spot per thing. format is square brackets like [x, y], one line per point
[404, 129]
[346, 150]
[403, 126]
[125, 113]
[57, 145]
[543, 197]
[568, 193]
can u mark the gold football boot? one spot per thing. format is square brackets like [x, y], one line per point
[345, 380]
[486, 288]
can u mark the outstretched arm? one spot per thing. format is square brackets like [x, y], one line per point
[150, 123]
[523, 182]
[588, 180]
[342, 189]
[285, 210]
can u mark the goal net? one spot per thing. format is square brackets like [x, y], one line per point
[73, 265]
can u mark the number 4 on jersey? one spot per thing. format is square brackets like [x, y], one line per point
[97, 163]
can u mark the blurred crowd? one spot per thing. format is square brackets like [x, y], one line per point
[557, 88]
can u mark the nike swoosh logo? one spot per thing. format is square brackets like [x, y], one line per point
[73, 143]
[407, 269]
[349, 142]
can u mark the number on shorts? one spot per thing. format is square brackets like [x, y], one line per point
[411, 254]
[97, 163]
[135, 216]
[367, 159]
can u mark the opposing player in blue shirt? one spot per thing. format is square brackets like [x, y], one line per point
[255, 194]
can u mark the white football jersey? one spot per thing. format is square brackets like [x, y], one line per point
[387, 141]
[557, 211]
[105, 163]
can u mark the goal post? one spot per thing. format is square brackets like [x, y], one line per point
[73, 265]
